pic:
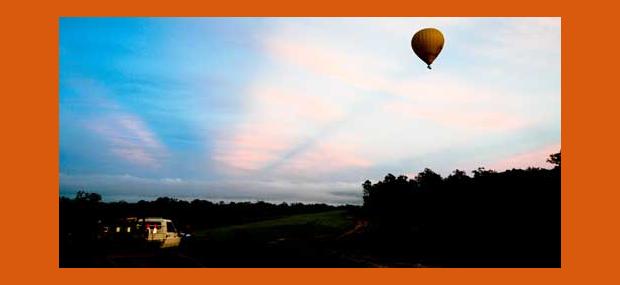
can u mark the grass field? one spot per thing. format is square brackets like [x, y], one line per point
[306, 240]
[304, 226]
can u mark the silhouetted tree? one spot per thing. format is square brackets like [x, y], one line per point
[458, 177]
[483, 172]
[555, 159]
[84, 196]
[428, 179]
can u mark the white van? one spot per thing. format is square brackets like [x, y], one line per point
[157, 231]
[161, 231]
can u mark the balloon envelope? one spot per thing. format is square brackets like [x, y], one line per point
[427, 44]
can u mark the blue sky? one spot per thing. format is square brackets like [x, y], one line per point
[298, 109]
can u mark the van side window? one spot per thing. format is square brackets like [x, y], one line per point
[170, 227]
[153, 225]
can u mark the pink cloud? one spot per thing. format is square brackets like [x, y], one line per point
[371, 72]
[253, 145]
[440, 98]
[129, 139]
[326, 157]
[297, 104]
[332, 63]
[278, 119]
[532, 158]
[462, 119]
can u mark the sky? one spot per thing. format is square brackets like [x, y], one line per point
[298, 109]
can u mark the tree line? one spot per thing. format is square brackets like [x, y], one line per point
[508, 218]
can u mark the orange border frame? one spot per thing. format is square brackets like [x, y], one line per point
[30, 57]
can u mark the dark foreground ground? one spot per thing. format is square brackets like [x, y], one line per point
[326, 239]
[509, 219]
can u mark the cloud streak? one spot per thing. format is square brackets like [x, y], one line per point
[124, 135]
[129, 139]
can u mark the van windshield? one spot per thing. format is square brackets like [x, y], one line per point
[170, 227]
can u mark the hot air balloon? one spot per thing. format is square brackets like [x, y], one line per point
[427, 44]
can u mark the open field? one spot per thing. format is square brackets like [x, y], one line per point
[305, 240]
[307, 226]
